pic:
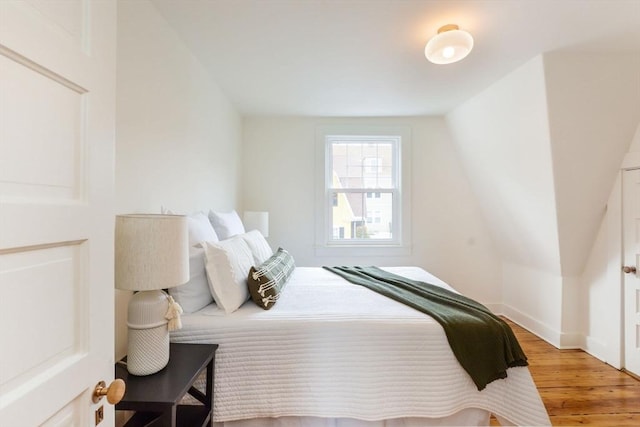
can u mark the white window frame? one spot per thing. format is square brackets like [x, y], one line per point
[400, 243]
[395, 141]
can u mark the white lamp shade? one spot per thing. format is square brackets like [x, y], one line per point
[151, 251]
[257, 221]
[449, 45]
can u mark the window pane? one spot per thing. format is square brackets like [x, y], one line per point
[339, 159]
[362, 164]
[362, 215]
[385, 166]
[354, 167]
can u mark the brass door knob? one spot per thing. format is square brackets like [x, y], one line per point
[628, 269]
[114, 393]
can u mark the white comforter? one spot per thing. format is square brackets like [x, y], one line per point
[329, 348]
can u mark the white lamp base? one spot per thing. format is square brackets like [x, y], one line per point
[148, 341]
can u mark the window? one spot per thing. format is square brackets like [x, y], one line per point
[362, 176]
[362, 198]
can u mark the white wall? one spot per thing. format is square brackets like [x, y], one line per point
[450, 238]
[635, 143]
[177, 134]
[178, 139]
[601, 281]
[533, 298]
[502, 136]
[597, 299]
[542, 148]
[594, 108]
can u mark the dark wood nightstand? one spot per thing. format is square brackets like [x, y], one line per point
[156, 397]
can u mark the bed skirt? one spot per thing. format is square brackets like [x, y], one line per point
[465, 417]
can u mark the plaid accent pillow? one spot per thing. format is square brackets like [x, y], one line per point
[267, 281]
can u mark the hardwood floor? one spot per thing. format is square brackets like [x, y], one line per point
[578, 389]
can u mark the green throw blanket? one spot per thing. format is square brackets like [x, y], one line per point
[483, 343]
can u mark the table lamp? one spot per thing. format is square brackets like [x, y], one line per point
[151, 254]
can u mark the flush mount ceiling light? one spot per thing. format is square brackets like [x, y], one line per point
[451, 44]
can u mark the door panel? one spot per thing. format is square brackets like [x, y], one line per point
[57, 109]
[69, 416]
[48, 282]
[631, 291]
[44, 159]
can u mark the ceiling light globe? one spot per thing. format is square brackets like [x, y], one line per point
[449, 45]
[448, 52]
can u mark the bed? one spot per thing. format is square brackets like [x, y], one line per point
[331, 353]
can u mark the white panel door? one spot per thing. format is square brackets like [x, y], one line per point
[57, 112]
[631, 291]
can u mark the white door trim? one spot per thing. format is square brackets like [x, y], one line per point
[629, 282]
[615, 356]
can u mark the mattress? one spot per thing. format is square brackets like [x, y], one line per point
[332, 349]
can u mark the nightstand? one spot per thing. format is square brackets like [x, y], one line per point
[156, 397]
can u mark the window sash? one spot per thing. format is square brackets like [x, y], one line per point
[395, 230]
[393, 141]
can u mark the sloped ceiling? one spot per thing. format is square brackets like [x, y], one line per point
[502, 137]
[366, 57]
[594, 109]
[554, 132]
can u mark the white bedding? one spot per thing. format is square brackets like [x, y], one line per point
[332, 349]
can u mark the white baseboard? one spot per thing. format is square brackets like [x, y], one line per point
[496, 308]
[596, 348]
[571, 341]
[534, 326]
[593, 346]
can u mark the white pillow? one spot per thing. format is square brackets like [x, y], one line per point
[259, 246]
[195, 294]
[200, 229]
[226, 224]
[228, 265]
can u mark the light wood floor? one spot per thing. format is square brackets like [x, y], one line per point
[578, 389]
